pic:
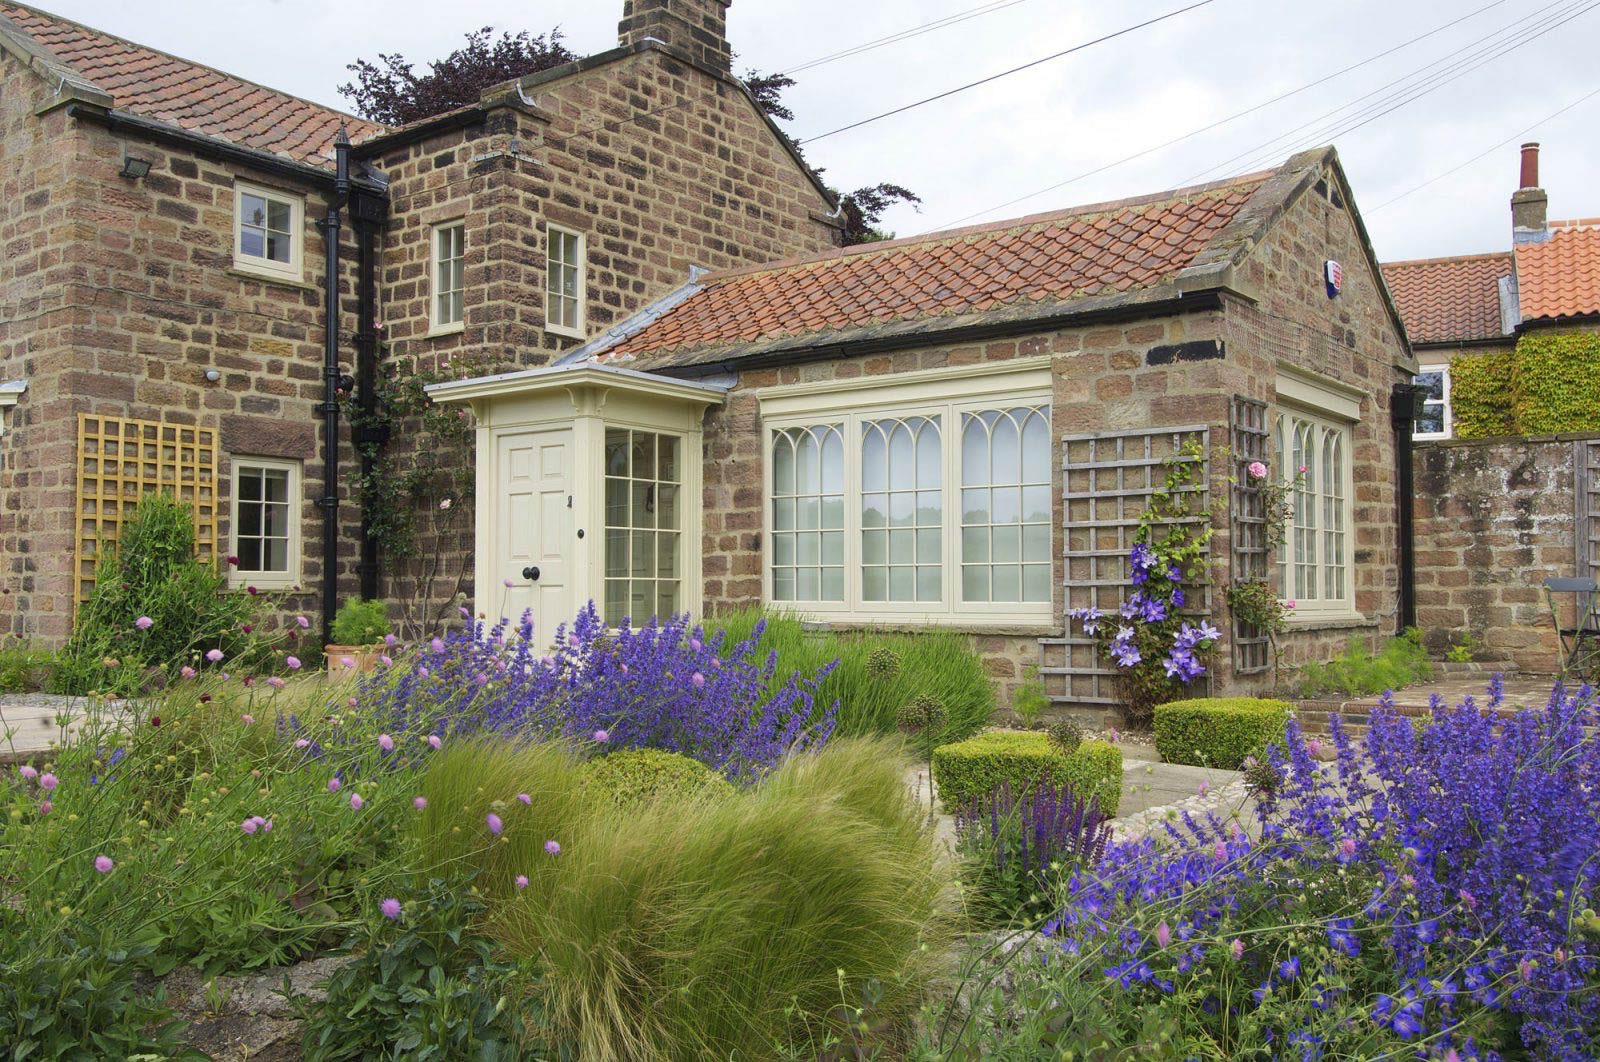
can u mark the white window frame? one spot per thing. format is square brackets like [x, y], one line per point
[1326, 406]
[437, 325]
[294, 269]
[575, 331]
[1444, 375]
[945, 393]
[267, 580]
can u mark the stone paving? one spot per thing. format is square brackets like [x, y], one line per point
[31, 722]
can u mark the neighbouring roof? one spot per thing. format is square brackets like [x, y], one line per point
[1103, 256]
[1449, 300]
[186, 94]
[1560, 277]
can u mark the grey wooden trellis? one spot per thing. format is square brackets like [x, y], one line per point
[1108, 479]
[1247, 424]
[1586, 484]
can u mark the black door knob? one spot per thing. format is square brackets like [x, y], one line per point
[531, 573]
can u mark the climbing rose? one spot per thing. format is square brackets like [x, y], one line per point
[553, 847]
[103, 864]
[144, 623]
[390, 908]
[494, 823]
[1257, 470]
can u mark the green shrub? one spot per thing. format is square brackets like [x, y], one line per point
[878, 673]
[24, 669]
[969, 769]
[704, 929]
[153, 574]
[360, 622]
[1218, 731]
[1358, 673]
[1548, 384]
[1029, 699]
[633, 776]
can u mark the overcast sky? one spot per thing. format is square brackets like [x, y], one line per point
[1022, 133]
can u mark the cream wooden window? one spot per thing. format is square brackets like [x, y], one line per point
[930, 511]
[449, 276]
[1314, 561]
[644, 525]
[564, 282]
[1435, 420]
[265, 523]
[268, 230]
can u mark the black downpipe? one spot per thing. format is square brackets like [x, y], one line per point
[367, 213]
[329, 502]
[1405, 406]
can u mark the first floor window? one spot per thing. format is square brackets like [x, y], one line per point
[940, 508]
[564, 292]
[1435, 420]
[266, 522]
[644, 528]
[267, 228]
[1314, 560]
[449, 274]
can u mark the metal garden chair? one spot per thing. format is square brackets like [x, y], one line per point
[1580, 643]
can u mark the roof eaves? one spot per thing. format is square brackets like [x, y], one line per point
[70, 85]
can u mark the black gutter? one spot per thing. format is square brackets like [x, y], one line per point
[329, 502]
[368, 212]
[462, 118]
[1405, 406]
[1190, 302]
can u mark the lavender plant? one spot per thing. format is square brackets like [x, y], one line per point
[1429, 894]
[664, 685]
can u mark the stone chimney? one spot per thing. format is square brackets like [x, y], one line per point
[1529, 204]
[697, 27]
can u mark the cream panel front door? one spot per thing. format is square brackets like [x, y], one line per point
[534, 527]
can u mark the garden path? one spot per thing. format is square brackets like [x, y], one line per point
[31, 722]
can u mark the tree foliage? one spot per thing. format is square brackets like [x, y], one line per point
[392, 92]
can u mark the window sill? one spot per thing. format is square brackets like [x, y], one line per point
[445, 330]
[267, 276]
[1329, 621]
[270, 581]
[954, 624]
[566, 333]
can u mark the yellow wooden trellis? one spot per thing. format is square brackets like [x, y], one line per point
[120, 460]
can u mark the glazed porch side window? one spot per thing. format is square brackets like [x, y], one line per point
[643, 562]
[1005, 504]
[808, 514]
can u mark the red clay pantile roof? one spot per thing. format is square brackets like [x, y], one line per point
[1449, 300]
[186, 94]
[1561, 276]
[1103, 249]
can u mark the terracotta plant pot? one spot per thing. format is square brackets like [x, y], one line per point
[363, 658]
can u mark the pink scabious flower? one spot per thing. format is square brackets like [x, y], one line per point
[493, 822]
[385, 742]
[1257, 470]
[389, 639]
[601, 735]
[356, 802]
[390, 908]
[186, 671]
[293, 662]
[247, 720]
[437, 645]
[103, 864]
[334, 785]
[572, 640]
[214, 655]
[28, 771]
[694, 644]
[1236, 949]
[434, 742]
[384, 660]
[45, 807]
[1203, 788]
[1347, 848]
[553, 847]
[351, 702]
[144, 623]
[466, 614]
[48, 782]
[266, 825]
[697, 679]
[521, 881]
[301, 743]
[249, 825]
[419, 802]
[1163, 934]
[422, 672]
[276, 682]
[347, 662]
[302, 622]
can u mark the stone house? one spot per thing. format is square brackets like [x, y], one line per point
[167, 318]
[960, 430]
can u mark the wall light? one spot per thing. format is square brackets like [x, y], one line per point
[134, 168]
[213, 375]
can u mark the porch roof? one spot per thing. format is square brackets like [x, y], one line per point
[558, 377]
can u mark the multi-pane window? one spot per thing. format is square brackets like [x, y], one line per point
[1435, 420]
[643, 543]
[808, 514]
[564, 281]
[449, 274]
[266, 230]
[902, 510]
[1314, 561]
[938, 509]
[1005, 504]
[266, 522]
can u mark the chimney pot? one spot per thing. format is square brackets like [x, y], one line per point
[1530, 166]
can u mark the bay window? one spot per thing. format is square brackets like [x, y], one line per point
[896, 502]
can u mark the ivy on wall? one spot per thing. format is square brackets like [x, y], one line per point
[1550, 383]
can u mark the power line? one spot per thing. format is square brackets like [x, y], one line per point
[902, 35]
[1513, 138]
[1219, 122]
[1459, 68]
[1006, 73]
